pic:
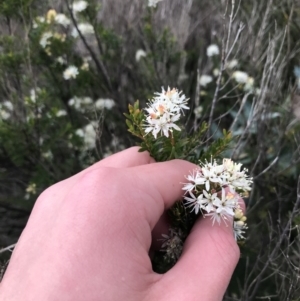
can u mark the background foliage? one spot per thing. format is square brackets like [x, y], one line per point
[55, 121]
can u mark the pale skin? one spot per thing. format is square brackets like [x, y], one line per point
[88, 238]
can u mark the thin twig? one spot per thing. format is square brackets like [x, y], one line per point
[257, 281]
[99, 64]
[9, 248]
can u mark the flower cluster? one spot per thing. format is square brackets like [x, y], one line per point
[164, 110]
[57, 27]
[214, 190]
[6, 109]
[89, 134]
[86, 103]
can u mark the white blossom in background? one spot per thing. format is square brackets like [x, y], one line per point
[30, 190]
[86, 100]
[8, 105]
[205, 79]
[212, 50]
[4, 115]
[81, 103]
[153, 3]
[232, 64]
[85, 65]
[47, 155]
[33, 95]
[163, 111]
[198, 112]
[70, 72]
[38, 20]
[240, 77]
[60, 37]
[216, 72]
[139, 54]
[105, 103]
[89, 135]
[62, 19]
[44, 40]
[75, 102]
[79, 133]
[84, 28]
[61, 113]
[79, 6]
[214, 190]
[5, 110]
[249, 85]
[61, 60]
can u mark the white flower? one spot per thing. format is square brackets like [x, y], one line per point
[211, 190]
[194, 180]
[85, 65]
[79, 6]
[75, 102]
[153, 3]
[164, 110]
[31, 188]
[104, 103]
[193, 202]
[164, 124]
[234, 177]
[4, 115]
[81, 103]
[90, 136]
[86, 100]
[8, 105]
[216, 217]
[212, 50]
[208, 201]
[209, 175]
[44, 41]
[205, 80]
[240, 77]
[62, 19]
[70, 72]
[232, 64]
[227, 204]
[33, 95]
[47, 155]
[61, 60]
[239, 228]
[61, 113]
[173, 101]
[139, 54]
[249, 84]
[84, 28]
[79, 133]
[198, 111]
[38, 20]
[216, 72]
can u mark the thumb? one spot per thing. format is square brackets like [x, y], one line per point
[204, 269]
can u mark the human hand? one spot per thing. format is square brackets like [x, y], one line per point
[88, 238]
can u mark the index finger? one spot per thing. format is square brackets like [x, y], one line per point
[163, 183]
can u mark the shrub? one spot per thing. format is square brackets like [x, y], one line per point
[67, 75]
